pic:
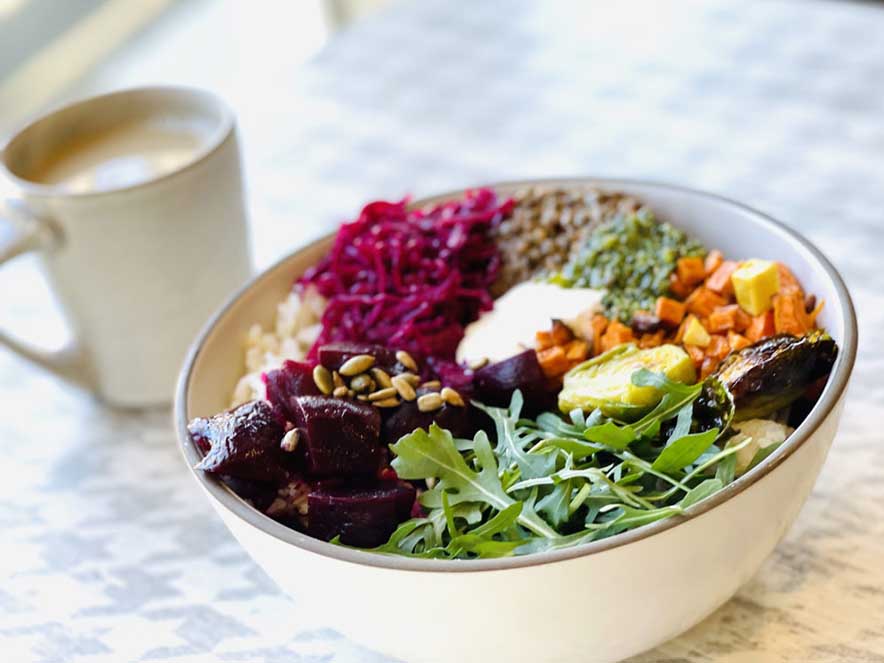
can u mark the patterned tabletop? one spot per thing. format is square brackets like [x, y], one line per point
[108, 550]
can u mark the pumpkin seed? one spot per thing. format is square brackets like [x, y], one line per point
[404, 388]
[323, 379]
[451, 397]
[356, 365]
[381, 377]
[387, 402]
[290, 440]
[382, 394]
[340, 392]
[406, 360]
[429, 402]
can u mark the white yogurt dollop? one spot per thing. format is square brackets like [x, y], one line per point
[522, 311]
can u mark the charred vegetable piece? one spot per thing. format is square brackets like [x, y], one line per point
[243, 443]
[772, 373]
[605, 382]
[292, 379]
[495, 383]
[340, 436]
[714, 407]
[360, 516]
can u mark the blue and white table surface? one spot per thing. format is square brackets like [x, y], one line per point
[108, 550]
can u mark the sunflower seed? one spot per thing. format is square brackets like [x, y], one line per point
[432, 384]
[382, 394]
[356, 365]
[337, 380]
[387, 402]
[362, 384]
[323, 379]
[406, 360]
[451, 397]
[290, 440]
[403, 386]
[476, 364]
[429, 402]
[412, 379]
[340, 392]
[381, 377]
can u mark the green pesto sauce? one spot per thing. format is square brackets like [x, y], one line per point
[631, 257]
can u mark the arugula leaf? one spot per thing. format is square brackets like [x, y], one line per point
[611, 435]
[423, 454]
[701, 492]
[510, 448]
[684, 451]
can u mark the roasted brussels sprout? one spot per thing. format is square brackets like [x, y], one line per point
[772, 373]
[605, 382]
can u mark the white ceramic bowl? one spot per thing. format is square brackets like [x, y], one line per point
[599, 602]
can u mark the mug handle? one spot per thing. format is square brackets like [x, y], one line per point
[22, 232]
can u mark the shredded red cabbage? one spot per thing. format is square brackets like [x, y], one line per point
[411, 279]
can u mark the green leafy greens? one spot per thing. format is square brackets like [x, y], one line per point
[551, 482]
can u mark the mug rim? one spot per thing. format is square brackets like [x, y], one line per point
[226, 500]
[218, 137]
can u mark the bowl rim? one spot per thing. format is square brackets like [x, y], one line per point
[831, 395]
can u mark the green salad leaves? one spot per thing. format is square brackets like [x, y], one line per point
[550, 483]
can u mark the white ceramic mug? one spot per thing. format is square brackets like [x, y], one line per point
[137, 265]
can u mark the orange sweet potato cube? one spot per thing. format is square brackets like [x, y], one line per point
[669, 311]
[553, 361]
[543, 340]
[691, 271]
[616, 334]
[651, 340]
[561, 333]
[736, 341]
[761, 327]
[718, 347]
[790, 316]
[788, 283]
[678, 287]
[728, 317]
[576, 351]
[696, 354]
[720, 280]
[708, 367]
[703, 301]
[713, 261]
[599, 325]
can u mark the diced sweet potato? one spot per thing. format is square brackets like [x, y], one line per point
[737, 341]
[576, 351]
[543, 340]
[761, 327]
[696, 354]
[720, 280]
[691, 271]
[713, 261]
[788, 283]
[616, 334]
[702, 301]
[790, 316]
[561, 333]
[707, 367]
[553, 361]
[652, 340]
[718, 347]
[730, 317]
[678, 287]
[599, 325]
[669, 311]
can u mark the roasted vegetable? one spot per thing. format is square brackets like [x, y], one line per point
[605, 382]
[772, 373]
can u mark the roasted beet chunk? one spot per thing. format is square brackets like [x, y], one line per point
[362, 517]
[333, 355]
[496, 382]
[292, 379]
[243, 443]
[340, 436]
[407, 418]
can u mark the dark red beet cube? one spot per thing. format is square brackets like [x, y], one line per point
[363, 516]
[242, 443]
[333, 355]
[340, 435]
[406, 418]
[495, 383]
[292, 379]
